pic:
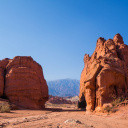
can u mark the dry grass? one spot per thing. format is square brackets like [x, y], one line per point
[114, 104]
[117, 101]
[109, 109]
[4, 107]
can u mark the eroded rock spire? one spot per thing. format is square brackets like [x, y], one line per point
[105, 74]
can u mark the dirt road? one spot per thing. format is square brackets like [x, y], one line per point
[63, 118]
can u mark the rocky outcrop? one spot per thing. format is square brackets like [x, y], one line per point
[23, 83]
[58, 100]
[105, 74]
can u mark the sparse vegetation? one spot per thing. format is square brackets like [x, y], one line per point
[117, 101]
[4, 107]
[114, 104]
[110, 109]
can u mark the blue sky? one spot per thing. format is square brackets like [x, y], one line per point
[57, 33]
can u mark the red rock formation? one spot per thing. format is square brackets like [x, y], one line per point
[25, 85]
[58, 100]
[105, 73]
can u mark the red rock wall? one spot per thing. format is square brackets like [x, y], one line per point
[105, 74]
[3, 64]
[25, 85]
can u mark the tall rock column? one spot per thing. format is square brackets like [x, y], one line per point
[105, 74]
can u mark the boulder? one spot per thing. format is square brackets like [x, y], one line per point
[105, 74]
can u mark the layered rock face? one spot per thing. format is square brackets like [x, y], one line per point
[105, 74]
[23, 83]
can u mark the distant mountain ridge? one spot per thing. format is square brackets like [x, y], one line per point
[64, 87]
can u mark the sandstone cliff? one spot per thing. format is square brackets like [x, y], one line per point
[23, 83]
[105, 74]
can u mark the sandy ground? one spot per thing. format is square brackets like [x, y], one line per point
[63, 117]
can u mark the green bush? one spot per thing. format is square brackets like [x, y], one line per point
[4, 107]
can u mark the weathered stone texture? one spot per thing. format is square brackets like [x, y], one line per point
[105, 74]
[24, 83]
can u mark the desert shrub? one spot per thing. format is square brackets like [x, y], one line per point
[4, 107]
[108, 108]
[117, 101]
[113, 110]
[112, 107]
